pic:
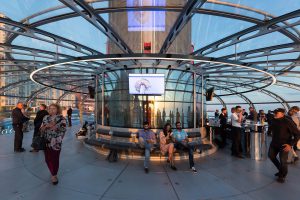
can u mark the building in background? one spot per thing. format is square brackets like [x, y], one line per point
[22, 91]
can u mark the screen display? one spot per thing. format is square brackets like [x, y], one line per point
[146, 20]
[143, 84]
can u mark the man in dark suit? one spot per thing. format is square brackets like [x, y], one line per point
[18, 119]
[38, 122]
[223, 126]
[69, 113]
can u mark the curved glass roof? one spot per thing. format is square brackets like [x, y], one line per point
[262, 34]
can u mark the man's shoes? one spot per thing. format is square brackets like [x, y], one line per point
[280, 179]
[173, 167]
[296, 159]
[240, 156]
[277, 174]
[146, 170]
[20, 150]
[194, 169]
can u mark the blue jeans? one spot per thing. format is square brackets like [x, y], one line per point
[147, 147]
[189, 147]
[147, 154]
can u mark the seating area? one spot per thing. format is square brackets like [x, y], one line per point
[126, 143]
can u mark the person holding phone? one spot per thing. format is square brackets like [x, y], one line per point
[147, 139]
[53, 130]
[285, 134]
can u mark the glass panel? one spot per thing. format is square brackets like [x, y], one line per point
[78, 30]
[18, 10]
[125, 110]
[207, 29]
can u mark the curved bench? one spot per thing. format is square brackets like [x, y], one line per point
[127, 142]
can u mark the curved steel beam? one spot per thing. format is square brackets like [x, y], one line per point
[159, 8]
[249, 33]
[88, 13]
[183, 18]
[7, 48]
[34, 94]
[6, 88]
[282, 101]
[267, 51]
[38, 34]
[246, 99]
[220, 100]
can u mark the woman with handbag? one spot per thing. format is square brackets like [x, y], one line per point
[53, 130]
[167, 145]
[37, 125]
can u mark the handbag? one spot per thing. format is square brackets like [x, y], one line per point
[39, 143]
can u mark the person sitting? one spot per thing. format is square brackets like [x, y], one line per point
[147, 139]
[167, 145]
[180, 139]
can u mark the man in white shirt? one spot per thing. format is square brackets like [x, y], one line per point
[236, 122]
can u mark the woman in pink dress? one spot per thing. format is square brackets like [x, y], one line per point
[167, 145]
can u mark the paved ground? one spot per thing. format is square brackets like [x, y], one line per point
[85, 175]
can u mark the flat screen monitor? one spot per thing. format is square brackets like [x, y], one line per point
[147, 84]
[146, 20]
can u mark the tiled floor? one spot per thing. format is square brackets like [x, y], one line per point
[85, 175]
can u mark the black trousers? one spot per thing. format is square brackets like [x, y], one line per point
[189, 148]
[36, 131]
[70, 120]
[280, 164]
[18, 136]
[223, 135]
[236, 148]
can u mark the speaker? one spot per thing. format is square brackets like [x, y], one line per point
[210, 94]
[91, 92]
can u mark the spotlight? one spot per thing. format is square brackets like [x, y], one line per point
[187, 67]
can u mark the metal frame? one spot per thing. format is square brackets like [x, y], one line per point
[183, 18]
[282, 101]
[265, 28]
[89, 14]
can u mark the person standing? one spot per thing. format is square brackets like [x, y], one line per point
[147, 139]
[253, 115]
[270, 118]
[38, 120]
[17, 122]
[236, 122]
[223, 126]
[69, 113]
[284, 135]
[180, 139]
[292, 113]
[53, 129]
[217, 114]
[167, 145]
